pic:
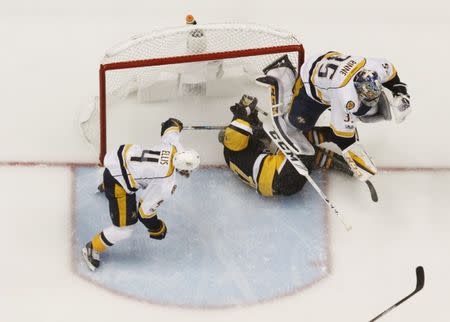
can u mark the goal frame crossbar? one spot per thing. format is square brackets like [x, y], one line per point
[104, 68]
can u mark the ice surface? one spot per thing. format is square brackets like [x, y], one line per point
[226, 245]
[50, 70]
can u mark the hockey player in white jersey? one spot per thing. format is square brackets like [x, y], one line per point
[352, 87]
[136, 181]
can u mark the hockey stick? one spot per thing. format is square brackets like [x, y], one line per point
[420, 275]
[373, 192]
[204, 127]
[284, 144]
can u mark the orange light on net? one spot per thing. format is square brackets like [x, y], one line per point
[190, 19]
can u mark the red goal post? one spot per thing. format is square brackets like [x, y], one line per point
[253, 46]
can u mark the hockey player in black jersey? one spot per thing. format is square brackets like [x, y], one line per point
[248, 153]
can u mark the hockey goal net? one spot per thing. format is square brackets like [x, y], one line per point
[178, 71]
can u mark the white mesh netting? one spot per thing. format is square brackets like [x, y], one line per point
[212, 77]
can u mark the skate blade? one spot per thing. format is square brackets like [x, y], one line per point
[88, 263]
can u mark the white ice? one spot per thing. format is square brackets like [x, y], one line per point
[50, 54]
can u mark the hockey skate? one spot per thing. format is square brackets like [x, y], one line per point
[283, 61]
[91, 256]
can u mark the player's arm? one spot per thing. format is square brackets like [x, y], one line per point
[391, 80]
[148, 217]
[150, 199]
[170, 132]
[239, 134]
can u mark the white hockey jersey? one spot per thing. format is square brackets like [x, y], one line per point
[149, 172]
[328, 79]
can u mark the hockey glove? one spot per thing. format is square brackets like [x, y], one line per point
[159, 232]
[172, 122]
[401, 107]
[245, 107]
[401, 102]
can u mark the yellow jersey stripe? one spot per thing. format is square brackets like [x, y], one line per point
[270, 164]
[130, 177]
[121, 198]
[172, 129]
[394, 73]
[171, 166]
[333, 53]
[144, 215]
[320, 95]
[342, 133]
[355, 69]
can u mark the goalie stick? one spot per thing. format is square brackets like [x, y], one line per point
[273, 129]
[420, 282]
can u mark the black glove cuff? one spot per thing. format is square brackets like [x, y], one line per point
[400, 88]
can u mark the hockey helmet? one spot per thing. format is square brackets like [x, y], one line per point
[186, 160]
[368, 85]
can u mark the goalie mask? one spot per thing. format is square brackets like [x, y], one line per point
[368, 86]
[186, 160]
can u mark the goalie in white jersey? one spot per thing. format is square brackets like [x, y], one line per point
[136, 181]
[351, 87]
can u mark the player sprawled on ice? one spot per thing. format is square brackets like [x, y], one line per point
[247, 151]
[136, 181]
[352, 87]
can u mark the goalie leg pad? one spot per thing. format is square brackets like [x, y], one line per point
[359, 161]
[282, 80]
[283, 61]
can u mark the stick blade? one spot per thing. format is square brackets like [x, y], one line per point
[373, 191]
[420, 273]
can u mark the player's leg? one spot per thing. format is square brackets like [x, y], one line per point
[288, 181]
[304, 111]
[325, 159]
[123, 213]
[325, 134]
[281, 76]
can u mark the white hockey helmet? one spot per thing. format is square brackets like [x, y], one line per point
[186, 160]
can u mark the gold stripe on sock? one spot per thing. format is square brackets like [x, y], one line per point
[98, 244]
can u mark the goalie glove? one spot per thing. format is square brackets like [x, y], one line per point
[401, 102]
[359, 161]
[401, 107]
[245, 107]
[246, 110]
